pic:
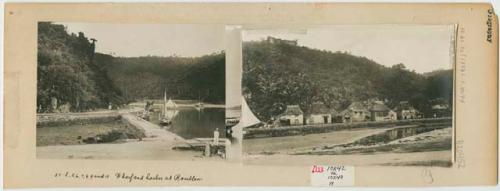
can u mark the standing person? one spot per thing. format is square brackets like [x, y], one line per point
[216, 136]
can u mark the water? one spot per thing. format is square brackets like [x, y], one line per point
[395, 134]
[192, 123]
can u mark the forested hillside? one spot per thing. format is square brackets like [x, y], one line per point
[183, 78]
[67, 74]
[71, 76]
[279, 74]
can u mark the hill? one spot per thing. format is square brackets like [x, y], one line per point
[181, 77]
[71, 76]
[68, 78]
[276, 74]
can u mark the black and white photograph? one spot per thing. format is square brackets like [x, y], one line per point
[130, 91]
[349, 94]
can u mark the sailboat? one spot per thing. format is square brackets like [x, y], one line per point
[199, 105]
[169, 111]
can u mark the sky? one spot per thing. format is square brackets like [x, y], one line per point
[422, 48]
[131, 40]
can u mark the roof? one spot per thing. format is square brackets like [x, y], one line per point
[319, 108]
[404, 105]
[334, 112]
[379, 107]
[344, 112]
[440, 106]
[356, 106]
[293, 110]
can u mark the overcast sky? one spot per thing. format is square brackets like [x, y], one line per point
[130, 40]
[422, 48]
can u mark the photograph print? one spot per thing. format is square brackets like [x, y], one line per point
[354, 95]
[130, 91]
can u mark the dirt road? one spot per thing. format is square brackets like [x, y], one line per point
[157, 145]
[283, 150]
[435, 158]
[304, 142]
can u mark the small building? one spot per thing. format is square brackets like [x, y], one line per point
[380, 112]
[336, 116]
[393, 116]
[441, 110]
[356, 112]
[406, 111]
[293, 115]
[278, 40]
[320, 114]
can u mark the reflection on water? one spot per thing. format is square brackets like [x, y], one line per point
[394, 134]
[192, 123]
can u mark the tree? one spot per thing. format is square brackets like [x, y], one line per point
[277, 74]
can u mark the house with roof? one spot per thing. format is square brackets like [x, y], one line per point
[278, 40]
[336, 116]
[441, 110]
[405, 110]
[356, 112]
[293, 115]
[380, 112]
[320, 114]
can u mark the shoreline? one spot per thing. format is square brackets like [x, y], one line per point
[432, 148]
[158, 144]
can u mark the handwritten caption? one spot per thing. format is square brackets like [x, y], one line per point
[489, 25]
[331, 176]
[462, 65]
[128, 177]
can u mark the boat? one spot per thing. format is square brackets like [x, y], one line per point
[145, 115]
[199, 105]
[169, 111]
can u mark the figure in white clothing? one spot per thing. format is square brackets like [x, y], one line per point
[216, 136]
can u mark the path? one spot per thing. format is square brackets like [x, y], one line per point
[300, 142]
[152, 131]
[157, 145]
[276, 150]
[51, 117]
[417, 158]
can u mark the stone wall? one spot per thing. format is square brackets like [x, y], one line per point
[324, 128]
[59, 119]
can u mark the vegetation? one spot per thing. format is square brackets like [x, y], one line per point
[87, 132]
[71, 76]
[276, 74]
[182, 78]
[67, 73]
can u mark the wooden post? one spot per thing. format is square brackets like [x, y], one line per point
[207, 149]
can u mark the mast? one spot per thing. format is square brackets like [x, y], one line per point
[165, 103]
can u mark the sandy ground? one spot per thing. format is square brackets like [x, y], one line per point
[304, 142]
[158, 146]
[281, 150]
[359, 159]
[68, 134]
[430, 136]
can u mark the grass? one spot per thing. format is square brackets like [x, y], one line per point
[75, 134]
